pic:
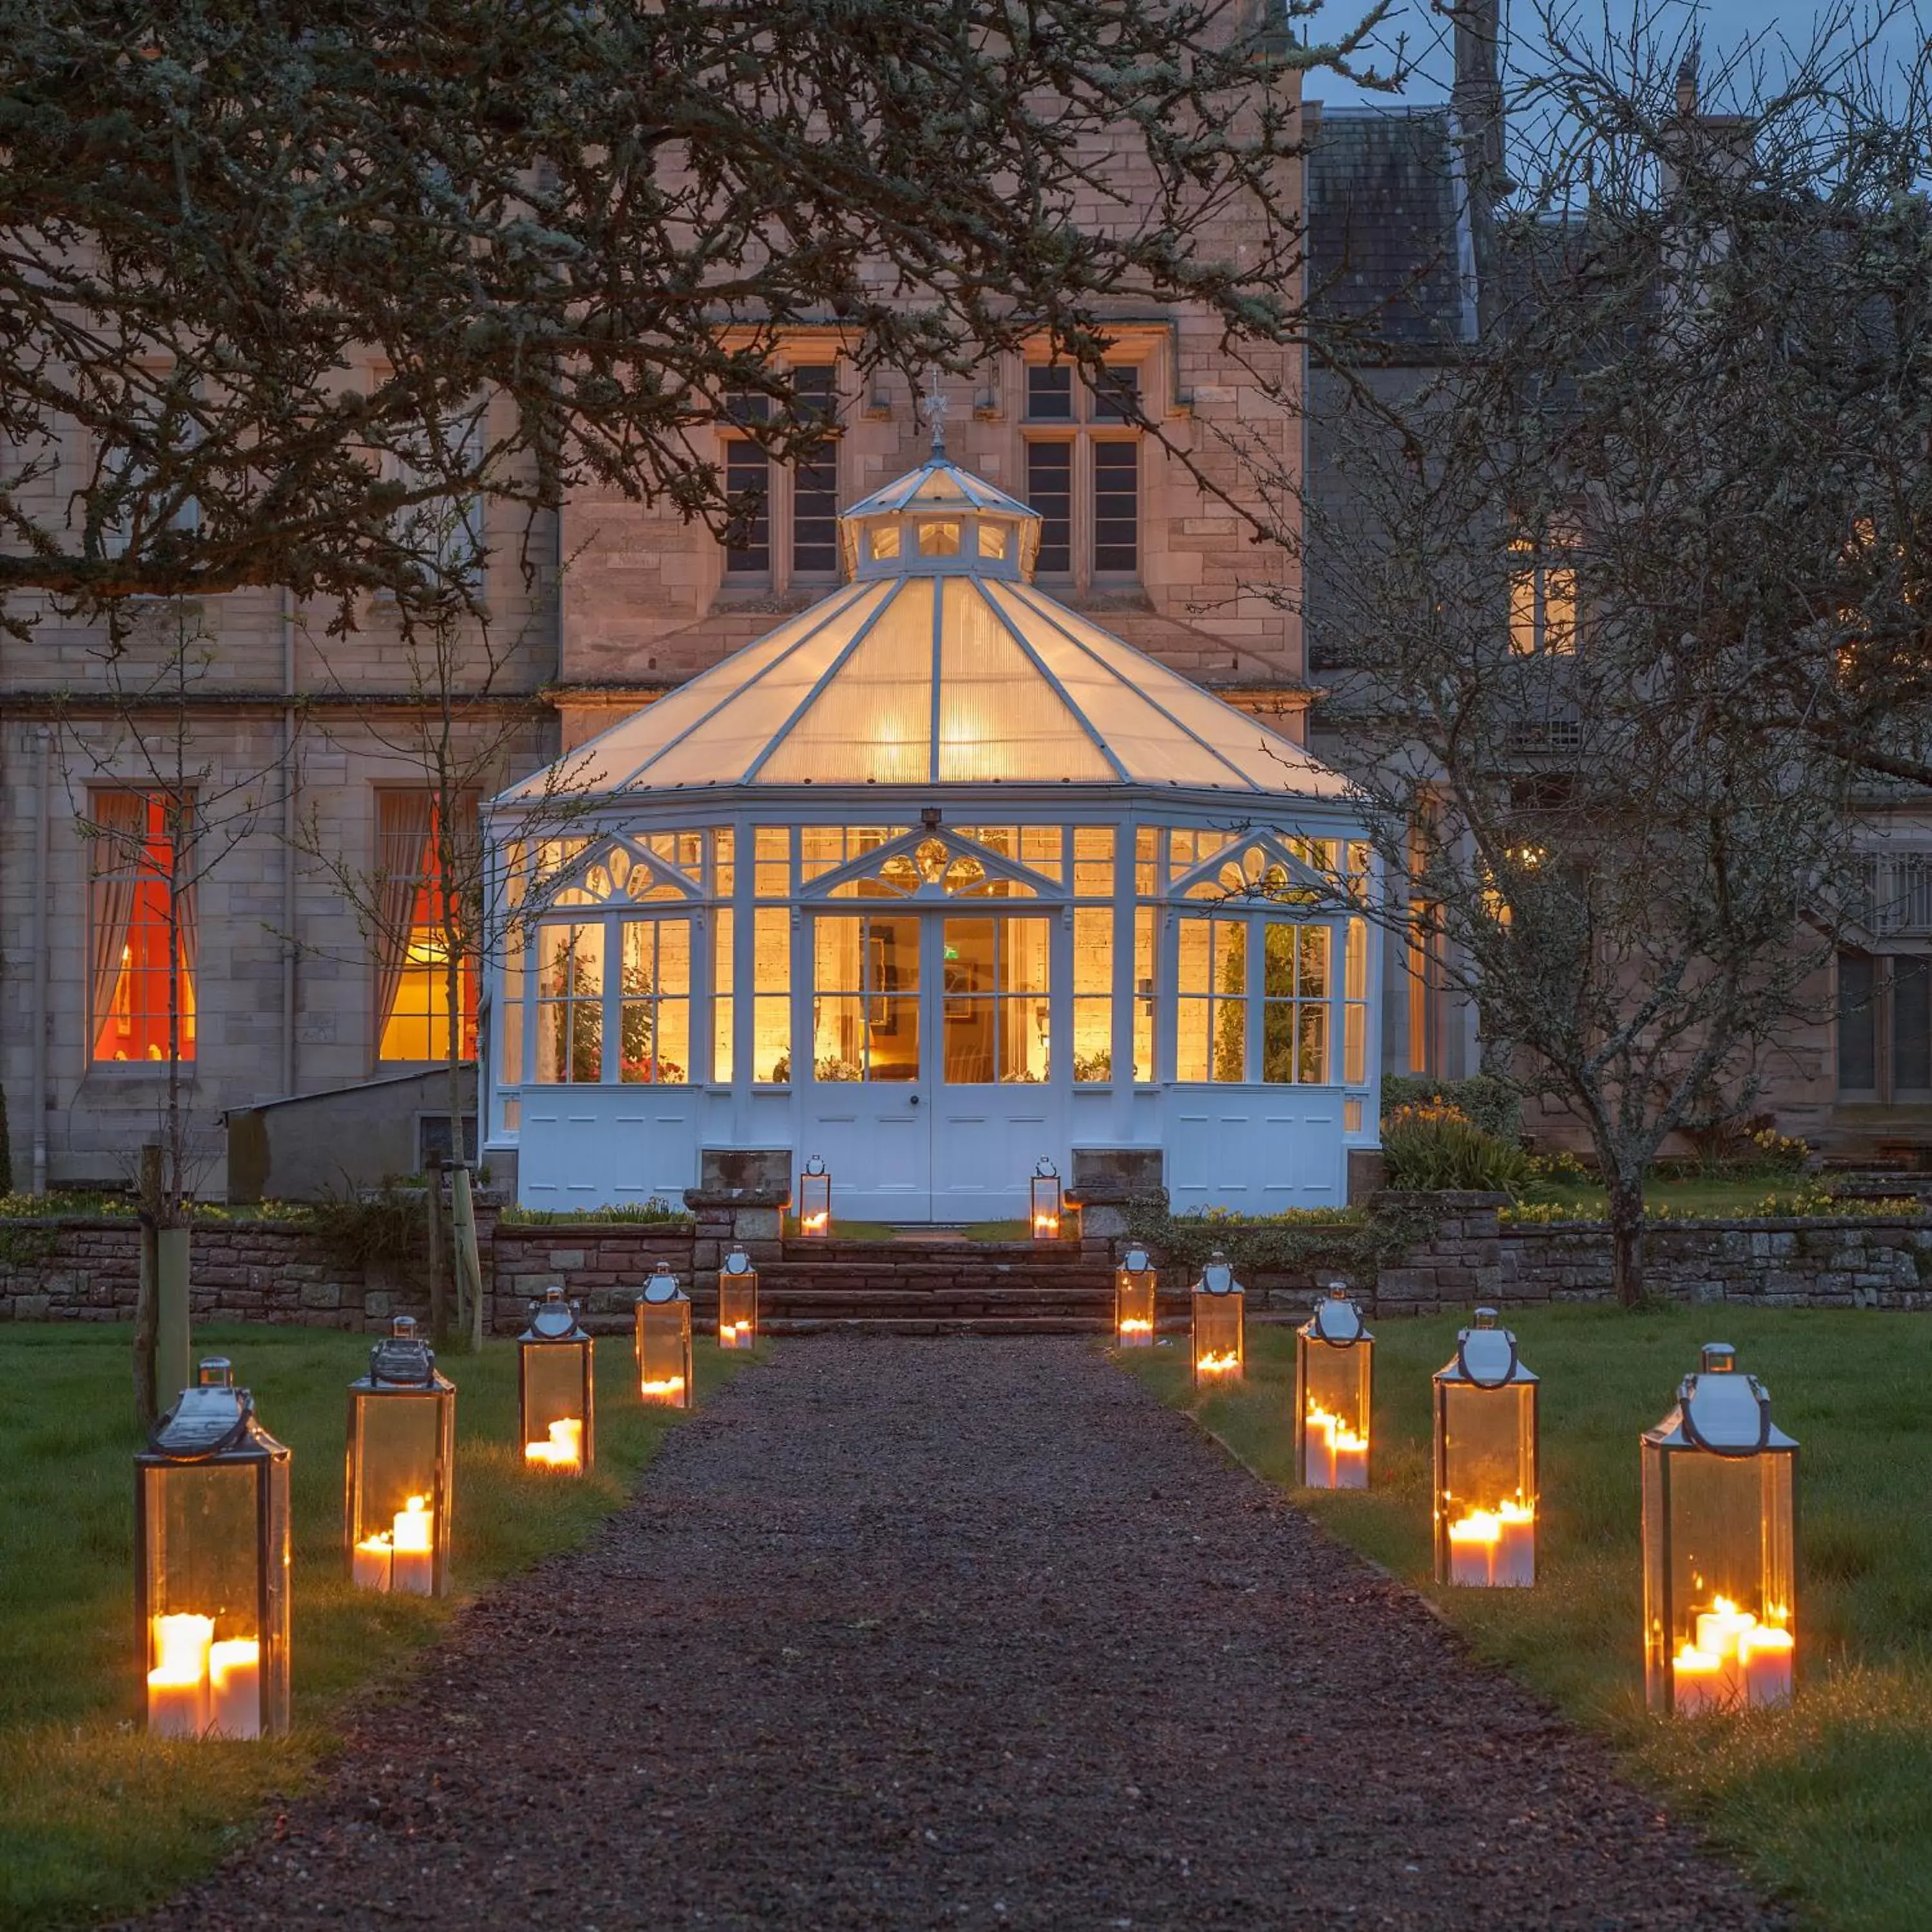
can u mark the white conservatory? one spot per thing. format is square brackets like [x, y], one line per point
[936, 879]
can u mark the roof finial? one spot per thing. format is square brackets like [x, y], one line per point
[936, 404]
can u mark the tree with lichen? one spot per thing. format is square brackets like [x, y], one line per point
[260, 261]
[1626, 608]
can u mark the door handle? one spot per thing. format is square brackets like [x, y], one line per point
[915, 1099]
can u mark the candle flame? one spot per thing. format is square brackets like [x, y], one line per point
[734, 1334]
[563, 1451]
[1132, 1324]
[670, 1389]
[815, 1224]
[1339, 1434]
[1046, 1224]
[1216, 1363]
[183, 1641]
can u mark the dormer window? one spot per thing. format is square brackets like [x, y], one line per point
[939, 539]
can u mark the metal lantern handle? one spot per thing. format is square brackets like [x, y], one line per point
[232, 1439]
[1469, 1374]
[815, 1165]
[1043, 1169]
[1734, 1450]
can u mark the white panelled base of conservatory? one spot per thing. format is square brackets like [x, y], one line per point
[912, 1156]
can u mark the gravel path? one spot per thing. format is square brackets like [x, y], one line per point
[903, 1634]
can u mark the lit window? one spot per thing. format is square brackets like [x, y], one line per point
[570, 1004]
[413, 990]
[140, 897]
[1211, 1008]
[654, 1001]
[1542, 598]
[1295, 992]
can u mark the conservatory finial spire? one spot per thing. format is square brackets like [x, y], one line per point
[936, 404]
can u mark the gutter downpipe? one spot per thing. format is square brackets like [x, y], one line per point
[43, 785]
[288, 616]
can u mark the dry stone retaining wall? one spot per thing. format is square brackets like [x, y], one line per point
[263, 1271]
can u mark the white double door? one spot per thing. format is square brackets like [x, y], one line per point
[935, 1080]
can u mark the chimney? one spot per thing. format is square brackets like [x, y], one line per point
[1476, 108]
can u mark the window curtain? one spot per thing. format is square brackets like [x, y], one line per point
[404, 820]
[120, 820]
[187, 917]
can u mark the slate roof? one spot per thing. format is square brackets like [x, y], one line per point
[1383, 193]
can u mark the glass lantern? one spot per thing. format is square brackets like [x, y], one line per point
[556, 1387]
[737, 1301]
[401, 1468]
[663, 1340]
[212, 1566]
[814, 1201]
[1719, 1546]
[1134, 1282]
[1218, 1336]
[1046, 1202]
[1334, 1379]
[1486, 1461]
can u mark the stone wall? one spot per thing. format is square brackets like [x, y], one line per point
[264, 1271]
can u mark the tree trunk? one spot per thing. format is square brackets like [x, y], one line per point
[469, 1261]
[1625, 1202]
[147, 1293]
[439, 1293]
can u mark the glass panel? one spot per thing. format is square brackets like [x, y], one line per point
[815, 512]
[724, 872]
[553, 1390]
[1050, 491]
[1116, 395]
[1050, 393]
[570, 1004]
[1212, 1016]
[824, 848]
[654, 1045]
[1355, 1014]
[1911, 1025]
[1144, 989]
[394, 1448]
[866, 998]
[1858, 1023]
[874, 722]
[1094, 862]
[1092, 992]
[1147, 860]
[996, 1000]
[1116, 508]
[772, 862]
[993, 540]
[510, 1017]
[748, 553]
[724, 937]
[998, 719]
[883, 539]
[939, 539]
[771, 1004]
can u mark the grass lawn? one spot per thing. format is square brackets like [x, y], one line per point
[96, 1818]
[1825, 1802]
[1690, 1196]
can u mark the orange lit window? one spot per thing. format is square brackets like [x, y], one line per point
[133, 836]
[412, 983]
[1542, 597]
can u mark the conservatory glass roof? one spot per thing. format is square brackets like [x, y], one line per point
[939, 664]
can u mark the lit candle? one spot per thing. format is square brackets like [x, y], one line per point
[1697, 1681]
[670, 1390]
[1218, 1363]
[814, 1224]
[1472, 1549]
[370, 1563]
[563, 1449]
[1320, 1456]
[235, 1688]
[1351, 1460]
[734, 1334]
[1720, 1632]
[1765, 1654]
[413, 1571]
[178, 1685]
[1046, 1224]
[1135, 1334]
[1515, 1565]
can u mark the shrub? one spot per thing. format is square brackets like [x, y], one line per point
[1431, 1148]
[387, 1229]
[654, 1212]
[1483, 1100]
